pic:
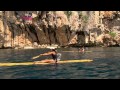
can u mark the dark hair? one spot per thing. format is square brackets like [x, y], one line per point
[53, 49]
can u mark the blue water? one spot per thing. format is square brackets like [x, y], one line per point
[105, 65]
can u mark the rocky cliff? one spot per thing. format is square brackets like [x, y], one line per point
[20, 29]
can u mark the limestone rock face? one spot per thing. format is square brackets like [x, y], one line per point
[34, 28]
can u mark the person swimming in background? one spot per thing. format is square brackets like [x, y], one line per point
[55, 57]
[82, 49]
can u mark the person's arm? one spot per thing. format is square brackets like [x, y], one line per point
[48, 53]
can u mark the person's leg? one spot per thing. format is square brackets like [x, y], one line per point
[37, 62]
[45, 61]
[56, 61]
[48, 61]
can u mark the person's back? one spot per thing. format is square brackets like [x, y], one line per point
[56, 56]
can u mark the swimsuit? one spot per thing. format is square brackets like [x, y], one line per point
[57, 56]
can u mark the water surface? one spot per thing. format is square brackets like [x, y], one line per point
[105, 65]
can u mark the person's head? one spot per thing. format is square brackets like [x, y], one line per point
[53, 49]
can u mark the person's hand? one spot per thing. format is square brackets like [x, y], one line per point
[36, 56]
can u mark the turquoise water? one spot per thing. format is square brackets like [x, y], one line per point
[106, 64]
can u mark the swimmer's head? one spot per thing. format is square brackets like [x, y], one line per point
[54, 49]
